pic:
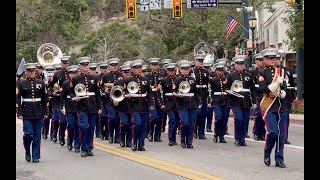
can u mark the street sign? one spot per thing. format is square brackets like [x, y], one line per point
[155, 4]
[202, 3]
[144, 5]
[167, 4]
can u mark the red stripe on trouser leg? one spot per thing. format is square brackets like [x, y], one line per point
[80, 135]
[194, 126]
[133, 125]
[168, 128]
[235, 122]
[267, 127]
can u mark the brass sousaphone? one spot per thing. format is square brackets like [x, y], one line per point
[49, 54]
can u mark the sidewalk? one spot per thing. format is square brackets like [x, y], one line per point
[297, 119]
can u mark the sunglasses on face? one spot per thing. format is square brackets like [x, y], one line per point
[114, 64]
[103, 67]
[65, 62]
[93, 68]
[84, 64]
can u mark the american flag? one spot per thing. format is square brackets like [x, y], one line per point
[232, 24]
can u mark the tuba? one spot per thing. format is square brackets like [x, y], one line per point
[133, 87]
[81, 91]
[236, 87]
[206, 49]
[116, 93]
[49, 54]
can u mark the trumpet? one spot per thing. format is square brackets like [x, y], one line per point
[117, 94]
[133, 87]
[236, 87]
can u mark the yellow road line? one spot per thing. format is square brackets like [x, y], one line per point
[161, 162]
[154, 165]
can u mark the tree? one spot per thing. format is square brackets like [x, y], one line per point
[113, 40]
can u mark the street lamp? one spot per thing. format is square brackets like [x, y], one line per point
[253, 24]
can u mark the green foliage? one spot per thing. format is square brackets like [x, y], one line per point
[297, 107]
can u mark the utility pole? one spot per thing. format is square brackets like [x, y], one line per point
[300, 62]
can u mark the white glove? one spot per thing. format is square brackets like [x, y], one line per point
[280, 80]
[282, 94]
[273, 86]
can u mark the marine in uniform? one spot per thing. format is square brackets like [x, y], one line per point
[209, 114]
[259, 130]
[54, 90]
[219, 102]
[290, 93]
[46, 121]
[32, 109]
[141, 101]
[156, 114]
[202, 79]
[70, 107]
[123, 108]
[93, 69]
[39, 71]
[103, 117]
[241, 104]
[273, 106]
[166, 85]
[85, 92]
[188, 101]
[145, 70]
[107, 84]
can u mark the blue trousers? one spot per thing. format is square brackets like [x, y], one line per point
[259, 125]
[113, 123]
[289, 105]
[32, 134]
[209, 117]
[46, 123]
[173, 124]
[73, 129]
[155, 122]
[201, 118]
[59, 121]
[125, 127]
[276, 134]
[188, 119]
[87, 123]
[164, 121]
[241, 117]
[221, 116]
[103, 121]
[139, 125]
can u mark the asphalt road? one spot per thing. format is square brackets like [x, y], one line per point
[208, 160]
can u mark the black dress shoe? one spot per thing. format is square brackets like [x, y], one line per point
[35, 160]
[256, 137]
[106, 137]
[215, 138]
[116, 141]
[267, 160]
[222, 140]
[84, 154]
[133, 147]
[202, 137]
[243, 144]
[262, 138]
[77, 150]
[287, 142]
[128, 145]
[69, 146]
[150, 137]
[122, 144]
[157, 140]
[227, 133]
[209, 130]
[62, 142]
[189, 146]
[101, 137]
[281, 165]
[110, 140]
[28, 158]
[195, 135]
[141, 149]
[46, 137]
[183, 145]
[237, 143]
[90, 153]
[171, 143]
[54, 139]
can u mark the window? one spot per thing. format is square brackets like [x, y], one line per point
[275, 28]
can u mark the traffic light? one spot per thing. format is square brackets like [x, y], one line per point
[131, 9]
[177, 9]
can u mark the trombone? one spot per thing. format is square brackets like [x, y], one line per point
[236, 87]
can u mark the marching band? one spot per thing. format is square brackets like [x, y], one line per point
[127, 103]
